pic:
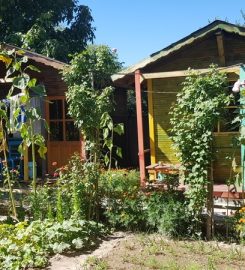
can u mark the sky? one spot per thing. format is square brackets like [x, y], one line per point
[138, 28]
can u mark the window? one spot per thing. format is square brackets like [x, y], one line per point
[231, 112]
[62, 127]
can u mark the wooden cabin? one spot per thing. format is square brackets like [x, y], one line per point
[64, 139]
[161, 75]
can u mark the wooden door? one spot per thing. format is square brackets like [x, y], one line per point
[64, 138]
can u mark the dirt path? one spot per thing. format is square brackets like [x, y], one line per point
[63, 262]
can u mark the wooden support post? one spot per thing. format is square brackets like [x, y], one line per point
[26, 169]
[242, 112]
[140, 127]
[221, 50]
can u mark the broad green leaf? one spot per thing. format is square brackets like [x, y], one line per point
[119, 152]
[24, 99]
[21, 149]
[32, 82]
[105, 133]
[106, 159]
[119, 129]
[39, 90]
[16, 113]
[24, 59]
[42, 150]
[20, 52]
[21, 82]
[9, 72]
[17, 66]
[31, 67]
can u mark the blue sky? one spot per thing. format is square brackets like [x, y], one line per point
[137, 28]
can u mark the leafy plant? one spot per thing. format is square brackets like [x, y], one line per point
[21, 82]
[199, 105]
[168, 214]
[28, 245]
[122, 201]
[41, 203]
[89, 97]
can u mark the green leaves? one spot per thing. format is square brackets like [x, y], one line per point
[119, 129]
[39, 90]
[21, 82]
[90, 98]
[28, 245]
[199, 105]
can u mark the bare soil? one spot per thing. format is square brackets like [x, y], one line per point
[123, 251]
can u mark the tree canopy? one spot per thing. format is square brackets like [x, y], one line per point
[55, 28]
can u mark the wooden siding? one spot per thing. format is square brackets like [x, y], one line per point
[224, 153]
[198, 55]
[163, 99]
[162, 102]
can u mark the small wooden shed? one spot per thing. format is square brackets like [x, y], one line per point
[161, 75]
[64, 139]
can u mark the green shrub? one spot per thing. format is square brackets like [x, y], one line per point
[28, 245]
[167, 213]
[127, 207]
[122, 200]
[41, 203]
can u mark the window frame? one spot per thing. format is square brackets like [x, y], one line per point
[64, 120]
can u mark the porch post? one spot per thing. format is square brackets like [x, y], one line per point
[140, 127]
[242, 112]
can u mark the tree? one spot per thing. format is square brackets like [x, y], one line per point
[55, 28]
[89, 96]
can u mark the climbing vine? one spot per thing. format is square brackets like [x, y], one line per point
[193, 118]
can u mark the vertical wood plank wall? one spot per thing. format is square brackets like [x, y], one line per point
[163, 99]
[160, 100]
[151, 122]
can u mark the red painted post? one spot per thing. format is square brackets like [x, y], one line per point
[140, 127]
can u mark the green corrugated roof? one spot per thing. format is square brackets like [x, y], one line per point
[212, 27]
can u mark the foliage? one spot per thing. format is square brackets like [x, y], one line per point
[89, 98]
[93, 67]
[41, 204]
[53, 28]
[127, 207]
[240, 226]
[28, 245]
[199, 106]
[122, 199]
[77, 185]
[72, 195]
[167, 213]
[22, 84]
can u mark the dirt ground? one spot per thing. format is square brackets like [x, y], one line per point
[143, 251]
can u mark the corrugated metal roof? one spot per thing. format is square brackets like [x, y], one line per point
[39, 58]
[212, 27]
